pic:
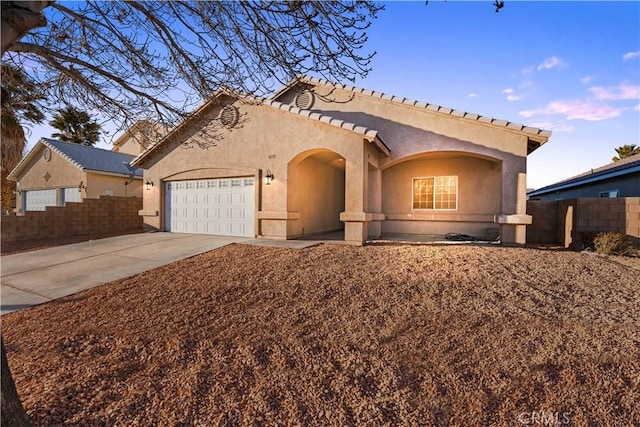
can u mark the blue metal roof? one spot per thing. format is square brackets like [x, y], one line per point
[94, 159]
[612, 170]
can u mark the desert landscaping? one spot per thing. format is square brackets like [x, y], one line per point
[334, 335]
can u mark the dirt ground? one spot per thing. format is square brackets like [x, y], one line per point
[340, 336]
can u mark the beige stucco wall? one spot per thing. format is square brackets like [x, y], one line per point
[98, 184]
[137, 138]
[129, 146]
[266, 138]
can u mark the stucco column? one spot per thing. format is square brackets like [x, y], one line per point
[514, 219]
[152, 202]
[374, 200]
[354, 216]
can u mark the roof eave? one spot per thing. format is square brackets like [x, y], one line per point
[99, 172]
[587, 180]
[537, 135]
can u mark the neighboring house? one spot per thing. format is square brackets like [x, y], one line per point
[617, 179]
[319, 157]
[137, 138]
[56, 172]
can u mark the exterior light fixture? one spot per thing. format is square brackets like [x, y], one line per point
[268, 177]
[81, 186]
[148, 185]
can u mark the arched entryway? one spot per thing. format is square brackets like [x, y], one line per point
[316, 192]
[436, 193]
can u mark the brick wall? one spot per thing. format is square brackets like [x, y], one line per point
[107, 214]
[565, 221]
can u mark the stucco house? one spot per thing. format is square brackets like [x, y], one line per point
[319, 156]
[616, 179]
[138, 137]
[56, 172]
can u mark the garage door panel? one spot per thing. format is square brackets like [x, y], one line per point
[38, 200]
[214, 206]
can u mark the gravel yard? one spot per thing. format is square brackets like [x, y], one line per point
[336, 336]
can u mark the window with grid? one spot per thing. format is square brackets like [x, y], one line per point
[438, 192]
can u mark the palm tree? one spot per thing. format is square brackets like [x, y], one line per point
[625, 151]
[75, 126]
[21, 103]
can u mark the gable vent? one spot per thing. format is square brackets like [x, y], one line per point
[229, 116]
[304, 100]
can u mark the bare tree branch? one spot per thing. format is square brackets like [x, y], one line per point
[135, 60]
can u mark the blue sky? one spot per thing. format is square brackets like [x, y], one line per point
[569, 67]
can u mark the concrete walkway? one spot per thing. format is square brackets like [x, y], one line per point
[35, 277]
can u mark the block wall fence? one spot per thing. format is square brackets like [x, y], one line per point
[108, 214]
[564, 222]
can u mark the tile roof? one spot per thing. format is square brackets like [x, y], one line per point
[621, 167]
[370, 135]
[86, 158]
[535, 133]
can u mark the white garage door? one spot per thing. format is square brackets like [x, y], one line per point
[37, 200]
[211, 206]
[71, 194]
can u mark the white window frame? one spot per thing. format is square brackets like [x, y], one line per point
[434, 208]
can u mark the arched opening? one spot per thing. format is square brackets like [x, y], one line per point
[432, 194]
[316, 191]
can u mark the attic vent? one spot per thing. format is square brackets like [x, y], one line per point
[304, 100]
[229, 116]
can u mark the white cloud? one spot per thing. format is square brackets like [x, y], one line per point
[554, 126]
[576, 109]
[586, 80]
[528, 70]
[620, 92]
[510, 94]
[630, 55]
[551, 62]
[472, 95]
[637, 107]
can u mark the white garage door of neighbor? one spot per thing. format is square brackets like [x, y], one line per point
[211, 206]
[72, 194]
[37, 200]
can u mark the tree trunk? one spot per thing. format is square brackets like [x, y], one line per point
[12, 146]
[20, 17]
[13, 413]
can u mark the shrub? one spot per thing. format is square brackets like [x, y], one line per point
[588, 238]
[612, 244]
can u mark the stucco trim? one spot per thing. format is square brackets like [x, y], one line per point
[534, 134]
[440, 216]
[513, 219]
[277, 215]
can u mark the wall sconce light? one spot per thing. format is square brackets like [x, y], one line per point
[81, 186]
[268, 177]
[148, 185]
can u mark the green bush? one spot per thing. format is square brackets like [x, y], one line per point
[612, 244]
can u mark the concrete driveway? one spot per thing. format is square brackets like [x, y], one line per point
[35, 277]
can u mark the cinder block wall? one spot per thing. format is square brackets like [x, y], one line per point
[564, 221]
[108, 214]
